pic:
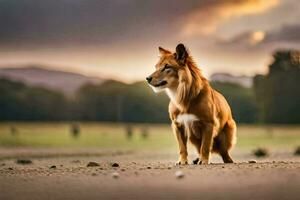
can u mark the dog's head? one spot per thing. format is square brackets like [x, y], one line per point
[168, 68]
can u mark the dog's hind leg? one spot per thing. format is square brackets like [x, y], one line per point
[226, 140]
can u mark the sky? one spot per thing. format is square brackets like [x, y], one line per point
[120, 38]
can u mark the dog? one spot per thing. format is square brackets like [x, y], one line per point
[199, 113]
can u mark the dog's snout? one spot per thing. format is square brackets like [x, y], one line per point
[149, 78]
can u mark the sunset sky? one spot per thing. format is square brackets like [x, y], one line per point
[120, 38]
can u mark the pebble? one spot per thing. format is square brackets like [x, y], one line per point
[115, 165]
[252, 161]
[179, 174]
[297, 151]
[115, 175]
[53, 167]
[149, 167]
[261, 152]
[24, 161]
[92, 164]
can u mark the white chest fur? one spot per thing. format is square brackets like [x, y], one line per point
[187, 121]
[186, 118]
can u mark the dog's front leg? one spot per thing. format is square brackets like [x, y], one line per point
[182, 143]
[207, 142]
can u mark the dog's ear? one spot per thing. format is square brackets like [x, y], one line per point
[181, 54]
[163, 51]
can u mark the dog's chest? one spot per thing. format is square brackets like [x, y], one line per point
[186, 119]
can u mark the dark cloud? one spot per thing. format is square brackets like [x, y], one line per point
[100, 21]
[49, 22]
[287, 34]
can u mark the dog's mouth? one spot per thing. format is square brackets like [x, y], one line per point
[161, 83]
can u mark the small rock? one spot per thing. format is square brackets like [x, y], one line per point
[169, 167]
[179, 174]
[123, 170]
[115, 165]
[115, 175]
[10, 168]
[53, 167]
[2, 164]
[92, 164]
[252, 161]
[223, 166]
[94, 174]
[297, 151]
[261, 152]
[149, 167]
[24, 161]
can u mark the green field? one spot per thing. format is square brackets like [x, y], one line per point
[113, 135]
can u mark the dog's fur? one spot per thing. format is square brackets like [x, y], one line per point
[198, 112]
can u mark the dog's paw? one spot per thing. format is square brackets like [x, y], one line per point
[181, 162]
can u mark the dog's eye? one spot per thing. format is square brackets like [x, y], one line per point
[167, 68]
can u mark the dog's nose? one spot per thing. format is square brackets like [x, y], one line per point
[149, 78]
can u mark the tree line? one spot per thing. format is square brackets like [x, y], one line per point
[274, 98]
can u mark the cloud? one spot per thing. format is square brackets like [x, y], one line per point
[93, 22]
[107, 22]
[209, 15]
[286, 34]
[248, 38]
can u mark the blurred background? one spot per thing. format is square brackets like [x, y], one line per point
[72, 72]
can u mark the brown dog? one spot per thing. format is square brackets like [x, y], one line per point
[198, 112]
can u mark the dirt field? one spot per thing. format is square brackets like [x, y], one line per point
[144, 175]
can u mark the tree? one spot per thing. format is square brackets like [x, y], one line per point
[278, 92]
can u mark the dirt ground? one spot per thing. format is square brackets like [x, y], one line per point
[63, 174]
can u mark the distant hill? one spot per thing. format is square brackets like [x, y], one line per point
[66, 82]
[246, 81]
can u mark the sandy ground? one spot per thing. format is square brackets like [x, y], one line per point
[144, 175]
